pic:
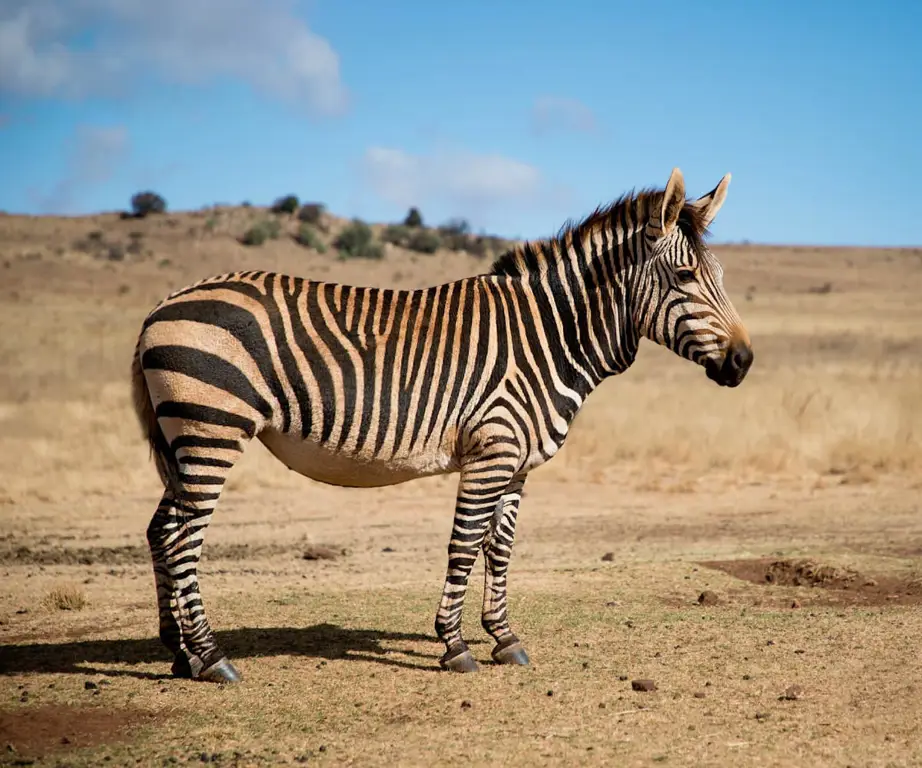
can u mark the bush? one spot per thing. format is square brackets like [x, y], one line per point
[144, 203]
[424, 241]
[309, 238]
[397, 234]
[356, 241]
[259, 233]
[414, 218]
[287, 204]
[312, 213]
[455, 226]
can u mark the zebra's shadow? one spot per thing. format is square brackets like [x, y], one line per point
[320, 641]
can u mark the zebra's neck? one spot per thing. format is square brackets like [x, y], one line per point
[584, 291]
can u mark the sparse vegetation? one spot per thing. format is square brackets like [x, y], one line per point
[146, 203]
[286, 204]
[67, 597]
[268, 229]
[357, 241]
[312, 213]
[424, 241]
[397, 234]
[456, 226]
[455, 234]
[310, 238]
[413, 218]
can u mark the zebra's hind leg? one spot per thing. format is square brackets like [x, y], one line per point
[497, 550]
[481, 487]
[175, 537]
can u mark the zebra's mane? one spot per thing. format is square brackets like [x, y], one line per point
[535, 255]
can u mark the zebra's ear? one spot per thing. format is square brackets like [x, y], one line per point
[673, 200]
[710, 203]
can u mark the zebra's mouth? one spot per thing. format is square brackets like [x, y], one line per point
[731, 371]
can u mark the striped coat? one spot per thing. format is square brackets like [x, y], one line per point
[361, 387]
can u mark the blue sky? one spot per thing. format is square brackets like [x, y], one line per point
[517, 116]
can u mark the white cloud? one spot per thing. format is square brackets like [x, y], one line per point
[95, 154]
[463, 182]
[554, 113]
[123, 42]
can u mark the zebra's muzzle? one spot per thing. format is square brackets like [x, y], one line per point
[734, 367]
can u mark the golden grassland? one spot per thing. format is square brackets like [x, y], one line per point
[817, 455]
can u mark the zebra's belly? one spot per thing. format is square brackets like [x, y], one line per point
[327, 465]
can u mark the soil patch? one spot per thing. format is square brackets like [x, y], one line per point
[132, 554]
[37, 731]
[825, 583]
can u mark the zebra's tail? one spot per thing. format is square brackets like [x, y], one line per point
[165, 459]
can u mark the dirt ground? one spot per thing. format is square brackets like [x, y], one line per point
[756, 553]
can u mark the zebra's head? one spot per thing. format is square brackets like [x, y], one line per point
[681, 302]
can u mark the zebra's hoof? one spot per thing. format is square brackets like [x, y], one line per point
[510, 653]
[222, 671]
[459, 661]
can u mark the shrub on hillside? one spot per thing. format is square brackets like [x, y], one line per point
[397, 234]
[310, 238]
[286, 204]
[413, 219]
[456, 226]
[312, 213]
[144, 203]
[260, 232]
[424, 241]
[356, 241]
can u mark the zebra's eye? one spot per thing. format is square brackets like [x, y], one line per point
[685, 275]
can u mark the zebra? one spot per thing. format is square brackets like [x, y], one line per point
[363, 387]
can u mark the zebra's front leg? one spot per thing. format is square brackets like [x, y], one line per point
[479, 491]
[497, 551]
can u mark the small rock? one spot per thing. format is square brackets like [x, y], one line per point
[762, 716]
[388, 549]
[322, 748]
[601, 705]
[795, 603]
[622, 678]
[708, 598]
[792, 693]
[608, 557]
[466, 704]
[550, 693]
[65, 740]
[769, 642]
[799, 650]
[612, 604]
[699, 694]
[747, 677]
[585, 665]
[643, 685]
[89, 685]
[870, 582]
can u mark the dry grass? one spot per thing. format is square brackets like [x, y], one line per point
[67, 597]
[816, 457]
